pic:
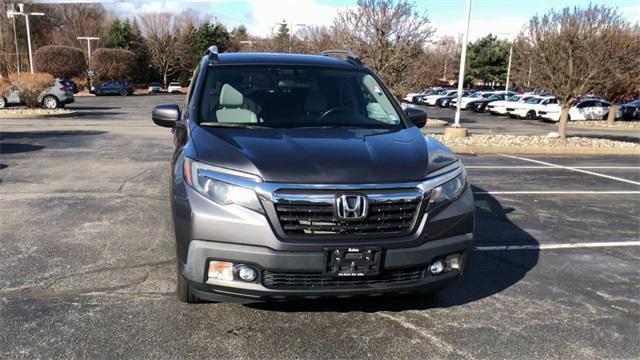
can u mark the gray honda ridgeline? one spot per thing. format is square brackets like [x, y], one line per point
[300, 176]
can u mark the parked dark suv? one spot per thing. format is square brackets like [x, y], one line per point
[114, 87]
[300, 176]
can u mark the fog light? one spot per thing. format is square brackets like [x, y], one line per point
[437, 267]
[247, 273]
[220, 270]
[453, 262]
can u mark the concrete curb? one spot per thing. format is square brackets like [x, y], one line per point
[470, 149]
[37, 116]
[604, 128]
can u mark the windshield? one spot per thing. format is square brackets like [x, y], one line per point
[295, 96]
[513, 98]
[534, 101]
[475, 95]
[486, 95]
[494, 97]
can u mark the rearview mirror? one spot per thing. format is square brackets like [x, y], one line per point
[166, 115]
[417, 116]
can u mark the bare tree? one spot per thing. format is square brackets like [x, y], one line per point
[388, 34]
[570, 50]
[68, 21]
[162, 31]
[622, 69]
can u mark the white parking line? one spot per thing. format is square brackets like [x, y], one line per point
[573, 169]
[552, 167]
[556, 192]
[558, 246]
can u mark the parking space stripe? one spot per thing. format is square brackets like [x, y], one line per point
[556, 192]
[552, 167]
[558, 246]
[573, 169]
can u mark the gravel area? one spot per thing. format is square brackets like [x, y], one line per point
[437, 122]
[534, 141]
[605, 124]
[13, 113]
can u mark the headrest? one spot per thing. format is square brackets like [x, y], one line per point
[229, 96]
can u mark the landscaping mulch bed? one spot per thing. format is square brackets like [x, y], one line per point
[604, 124]
[436, 122]
[523, 141]
[25, 113]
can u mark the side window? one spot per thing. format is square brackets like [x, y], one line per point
[584, 104]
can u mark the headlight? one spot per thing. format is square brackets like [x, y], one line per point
[219, 191]
[449, 190]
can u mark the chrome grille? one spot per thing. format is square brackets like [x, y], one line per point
[387, 216]
[302, 281]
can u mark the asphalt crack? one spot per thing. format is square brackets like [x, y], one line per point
[42, 289]
[131, 178]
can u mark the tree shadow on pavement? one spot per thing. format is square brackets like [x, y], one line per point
[489, 273]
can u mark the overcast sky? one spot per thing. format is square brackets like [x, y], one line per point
[447, 16]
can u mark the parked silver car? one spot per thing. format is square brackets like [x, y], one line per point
[56, 96]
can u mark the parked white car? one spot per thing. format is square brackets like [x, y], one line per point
[432, 99]
[584, 110]
[467, 99]
[500, 107]
[530, 108]
[414, 97]
[174, 87]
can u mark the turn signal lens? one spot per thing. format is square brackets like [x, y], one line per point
[187, 171]
[220, 270]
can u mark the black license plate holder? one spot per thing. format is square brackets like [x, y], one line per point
[352, 261]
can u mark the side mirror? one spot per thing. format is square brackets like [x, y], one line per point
[166, 115]
[417, 116]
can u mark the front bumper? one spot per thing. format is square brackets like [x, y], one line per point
[264, 259]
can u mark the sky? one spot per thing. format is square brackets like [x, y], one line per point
[447, 16]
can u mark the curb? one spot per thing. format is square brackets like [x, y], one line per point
[37, 116]
[604, 128]
[470, 149]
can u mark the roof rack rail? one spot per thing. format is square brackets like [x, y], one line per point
[343, 54]
[212, 53]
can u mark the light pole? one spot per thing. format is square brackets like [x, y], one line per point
[12, 13]
[463, 58]
[15, 40]
[90, 72]
[506, 87]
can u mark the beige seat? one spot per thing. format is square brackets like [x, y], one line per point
[231, 111]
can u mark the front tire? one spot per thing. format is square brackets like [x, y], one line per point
[531, 115]
[50, 102]
[124, 92]
[3, 103]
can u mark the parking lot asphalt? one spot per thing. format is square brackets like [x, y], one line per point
[87, 264]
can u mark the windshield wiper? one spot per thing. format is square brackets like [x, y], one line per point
[233, 125]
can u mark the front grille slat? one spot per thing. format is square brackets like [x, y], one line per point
[306, 281]
[394, 216]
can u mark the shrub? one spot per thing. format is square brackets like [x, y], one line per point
[5, 86]
[113, 64]
[31, 85]
[60, 61]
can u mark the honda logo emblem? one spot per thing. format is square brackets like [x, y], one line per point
[351, 207]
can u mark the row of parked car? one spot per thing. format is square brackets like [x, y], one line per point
[524, 106]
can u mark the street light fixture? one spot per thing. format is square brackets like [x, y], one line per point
[89, 39]
[12, 14]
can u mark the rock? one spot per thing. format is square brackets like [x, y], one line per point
[553, 135]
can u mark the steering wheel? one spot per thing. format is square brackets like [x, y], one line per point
[335, 110]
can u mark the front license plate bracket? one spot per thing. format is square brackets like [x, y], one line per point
[352, 261]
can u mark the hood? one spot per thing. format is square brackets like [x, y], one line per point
[315, 155]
